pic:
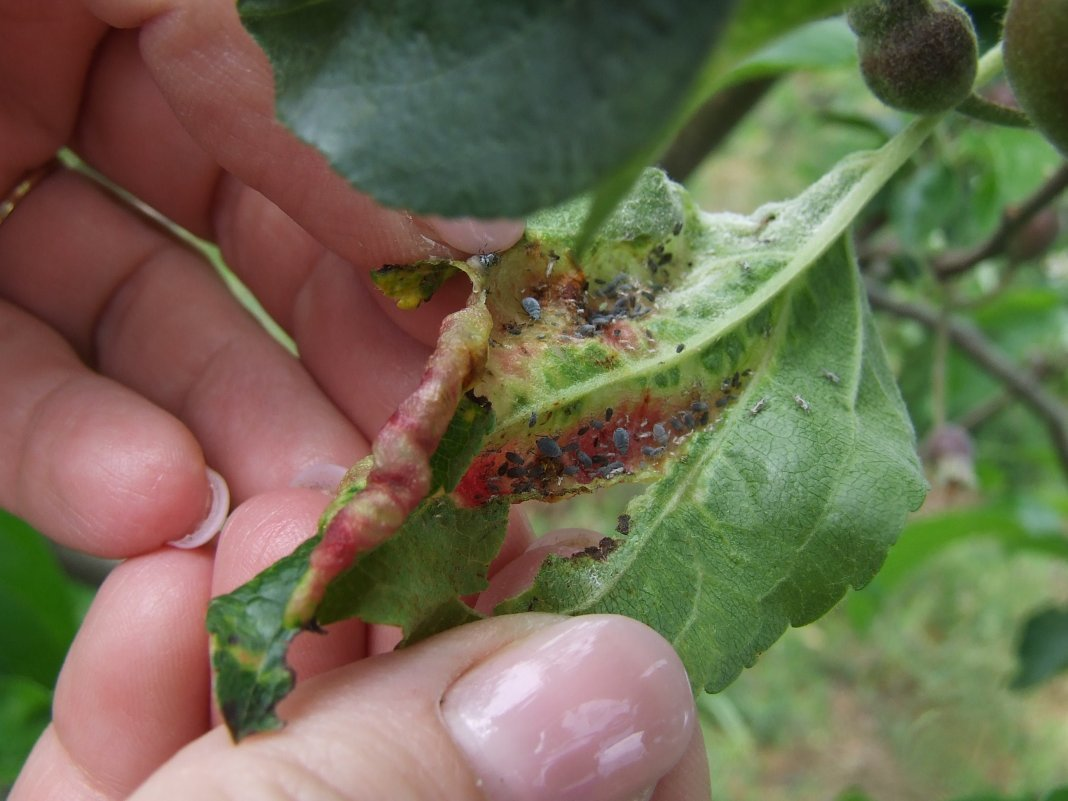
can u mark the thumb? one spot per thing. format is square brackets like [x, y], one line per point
[524, 707]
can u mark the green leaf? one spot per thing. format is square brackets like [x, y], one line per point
[823, 44]
[757, 23]
[479, 107]
[1043, 649]
[37, 620]
[249, 640]
[413, 580]
[25, 710]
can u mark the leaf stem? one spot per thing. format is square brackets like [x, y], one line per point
[991, 65]
[984, 110]
[938, 366]
[1020, 382]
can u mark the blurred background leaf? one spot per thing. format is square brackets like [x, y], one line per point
[40, 610]
[1043, 647]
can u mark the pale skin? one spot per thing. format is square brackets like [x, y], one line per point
[126, 368]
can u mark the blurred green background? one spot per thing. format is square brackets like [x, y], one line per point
[944, 678]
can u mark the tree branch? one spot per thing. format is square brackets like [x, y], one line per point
[1018, 381]
[711, 124]
[955, 262]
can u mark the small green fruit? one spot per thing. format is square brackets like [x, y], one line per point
[916, 55]
[1036, 62]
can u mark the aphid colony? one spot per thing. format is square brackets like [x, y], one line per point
[601, 306]
[614, 443]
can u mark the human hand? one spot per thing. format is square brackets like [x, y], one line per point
[126, 368]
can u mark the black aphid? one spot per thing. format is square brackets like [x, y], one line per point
[725, 385]
[651, 452]
[676, 424]
[601, 458]
[532, 308]
[614, 467]
[582, 430]
[600, 319]
[525, 486]
[548, 447]
[533, 420]
[721, 402]
[514, 458]
[537, 471]
[622, 440]
[680, 347]
[571, 447]
[597, 424]
[608, 414]
[517, 472]
[699, 406]
[502, 469]
[571, 470]
[623, 524]
[586, 330]
[677, 229]
[687, 418]
[736, 380]
[660, 433]
[584, 459]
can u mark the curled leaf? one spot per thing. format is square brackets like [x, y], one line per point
[729, 361]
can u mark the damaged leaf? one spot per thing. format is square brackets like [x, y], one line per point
[413, 284]
[729, 361]
[413, 580]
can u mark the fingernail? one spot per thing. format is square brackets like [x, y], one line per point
[323, 477]
[596, 708]
[218, 509]
[469, 235]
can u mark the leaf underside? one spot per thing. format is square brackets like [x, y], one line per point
[729, 361]
[532, 101]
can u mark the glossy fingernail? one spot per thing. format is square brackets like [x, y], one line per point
[322, 476]
[218, 509]
[596, 708]
[476, 236]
